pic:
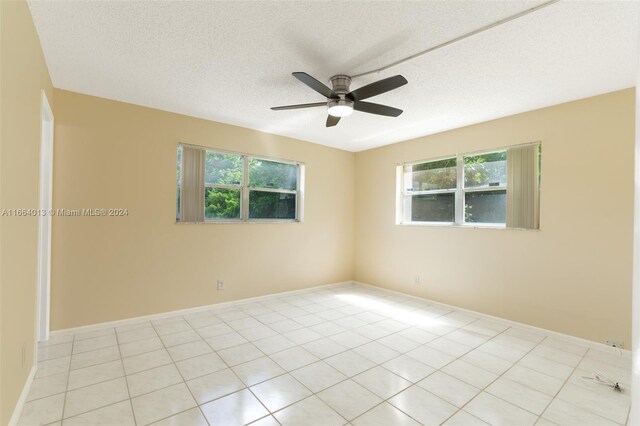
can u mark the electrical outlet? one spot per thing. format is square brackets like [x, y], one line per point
[220, 285]
[614, 343]
[417, 280]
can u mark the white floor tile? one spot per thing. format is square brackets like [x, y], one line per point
[318, 376]
[372, 331]
[180, 338]
[214, 330]
[240, 354]
[487, 361]
[603, 402]
[382, 382]
[563, 413]
[462, 418]
[214, 385]
[408, 368]
[95, 396]
[227, 340]
[119, 414]
[309, 412]
[109, 331]
[349, 339]
[174, 327]
[136, 334]
[141, 346]
[384, 414]
[519, 395]
[53, 366]
[239, 408]
[146, 361]
[469, 373]
[423, 406]
[399, 343]
[189, 350]
[92, 344]
[95, 374]
[200, 365]
[192, 417]
[42, 411]
[293, 358]
[376, 353]
[153, 379]
[431, 357]
[257, 333]
[100, 356]
[495, 411]
[557, 355]
[534, 380]
[418, 335]
[54, 351]
[349, 363]
[280, 392]
[47, 386]
[349, 399]
[258, 370]
[302, 336]
[546, 366]
[273, 344]
[450, 347]
[449, 388]
[324, 348]
[162, 403]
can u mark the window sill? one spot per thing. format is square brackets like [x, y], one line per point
[237, 222]
[466, 226]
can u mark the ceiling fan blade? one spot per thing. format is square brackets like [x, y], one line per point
[316, 104]
[378, 109]
[378, 87]
[332, 121]
[315, 85]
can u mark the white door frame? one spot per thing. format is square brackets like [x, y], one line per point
[634, 417]
[44, 221]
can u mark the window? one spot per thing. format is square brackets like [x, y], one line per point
[473, 189]
[227, 186]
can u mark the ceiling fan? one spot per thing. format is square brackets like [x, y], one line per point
[341, 102]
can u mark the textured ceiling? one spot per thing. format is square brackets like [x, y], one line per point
[231, 61]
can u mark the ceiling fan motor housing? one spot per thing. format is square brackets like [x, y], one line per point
[340, 85]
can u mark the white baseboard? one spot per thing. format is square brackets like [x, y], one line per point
[549, 333]
[127, 321]
[133, 320]
[17, 411]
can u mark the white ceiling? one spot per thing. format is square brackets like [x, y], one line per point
[231, 61]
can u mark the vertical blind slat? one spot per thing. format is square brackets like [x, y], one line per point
[192, 192]
[523, 195]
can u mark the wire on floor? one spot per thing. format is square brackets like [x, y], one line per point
[601, 379]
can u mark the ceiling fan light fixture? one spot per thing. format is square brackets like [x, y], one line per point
[340, 108]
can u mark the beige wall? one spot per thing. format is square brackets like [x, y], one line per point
[110, 154]
[571, 276]
[23, 75]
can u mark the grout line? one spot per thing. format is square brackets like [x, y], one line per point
[126, 381]
[66, 388]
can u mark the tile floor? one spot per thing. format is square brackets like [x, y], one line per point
[350, 354]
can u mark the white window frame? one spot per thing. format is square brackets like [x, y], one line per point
[239, 187]
[460, 192]
[296, 192]
[463, 190]
[405, 193]
[244, 188]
